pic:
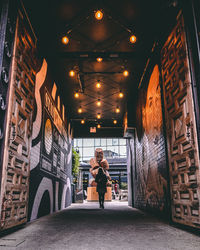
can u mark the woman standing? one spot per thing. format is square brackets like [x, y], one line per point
[101, 181]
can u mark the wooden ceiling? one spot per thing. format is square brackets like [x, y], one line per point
[90, 38]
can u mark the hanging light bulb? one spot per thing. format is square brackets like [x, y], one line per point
[82, 121]
[80, 110]
[71, 73]
[98, 85]
[121, 95]
[65, 40]
[98, 103]
[98, 15]
[133, 39]
[76, 95]
[117, 110]
[98, 126]
[115, 121]
[125, 73]
[98, 116]
[99, 59]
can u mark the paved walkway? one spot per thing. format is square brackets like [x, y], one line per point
[86, 227]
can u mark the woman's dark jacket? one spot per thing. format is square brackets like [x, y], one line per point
[101, 181]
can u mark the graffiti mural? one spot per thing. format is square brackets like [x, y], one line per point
[51, 149]
[150, 183]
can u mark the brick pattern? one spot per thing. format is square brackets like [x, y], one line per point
[149, 161]
[181, 129]
[16, 165]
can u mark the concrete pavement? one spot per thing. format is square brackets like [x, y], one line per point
[85, 226]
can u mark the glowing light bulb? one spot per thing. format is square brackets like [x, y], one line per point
[125, 73]
[98, 116]
[98, 85]
[115, 121]
[133, 39]
[76, 95]
[71, 73]
[121, 95]
[99, 59]
[117, 110]
[80, 110]
[98, 125]
[98, 15]
[82, 121]
[65, 40]
[98, 103]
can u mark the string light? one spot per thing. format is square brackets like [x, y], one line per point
[71, 73]
[80, 110]
[98, 103]
[121, 95]
[133, 39]
[65, 40]
[76, 95]
[125, 73]
[98, 116]
[115, 121]
[99, 59]
[117, 110]
[98, 15]
[98, 126]
[82, 121]
[98, 85]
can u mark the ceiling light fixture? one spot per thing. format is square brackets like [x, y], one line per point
[65, 40]
[82, 121]
[117, 110]
[133, 39]
[121, 95]
[76, 95]
[98, 116]
[98, 126]
[71, 73]
[125, 73]
[80, 110]
[98, 15]
[115, 121]
[98, 103]
[99, 59]
[98, 85]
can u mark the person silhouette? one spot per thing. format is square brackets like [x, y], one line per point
[101, 180]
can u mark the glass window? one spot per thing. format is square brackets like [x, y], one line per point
[103, 142]
[79, 142]
[109, 142]
[97, 142]
[115, 141]
[88, 142]
[122, 141]
[122, 150]
[74, 141]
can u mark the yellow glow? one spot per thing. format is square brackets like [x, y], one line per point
[125, 73]
[115, 121]
[76, 95]
[71, 73]
[133, 39]
[98, 126]
[82, 121]
[98, 116]
[98, 85]
[117, 110]
[80, 110]
[65, 40]
[99, 59]
[98, 15]
[121, 95]
[98, 103]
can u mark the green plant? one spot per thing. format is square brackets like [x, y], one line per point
[124, 185]
[75, 162]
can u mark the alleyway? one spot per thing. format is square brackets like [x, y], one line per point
[85, 226]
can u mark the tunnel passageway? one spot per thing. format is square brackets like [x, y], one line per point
[85, 226]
